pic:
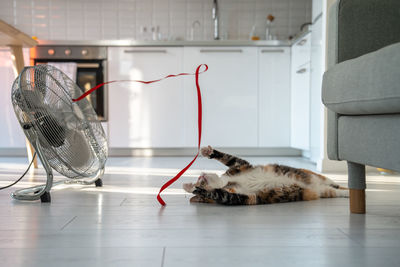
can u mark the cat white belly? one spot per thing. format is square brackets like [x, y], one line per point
[259, 179]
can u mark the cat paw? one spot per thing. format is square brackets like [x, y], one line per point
[207, 151]
[189, 187]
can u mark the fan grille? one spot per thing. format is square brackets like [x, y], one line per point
[69, 134]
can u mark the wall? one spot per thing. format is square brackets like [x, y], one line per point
[125, 19]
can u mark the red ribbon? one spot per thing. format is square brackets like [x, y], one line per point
[199, 117]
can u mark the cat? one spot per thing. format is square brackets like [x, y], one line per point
[245, 184]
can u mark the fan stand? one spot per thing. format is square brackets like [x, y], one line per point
[42, 192]
[36, 192]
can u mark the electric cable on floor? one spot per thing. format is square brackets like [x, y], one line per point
[20, 178]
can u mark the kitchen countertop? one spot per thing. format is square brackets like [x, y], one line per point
[141, 43]
[262, 43]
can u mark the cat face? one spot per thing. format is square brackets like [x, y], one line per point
[206, 181]
[210, 180]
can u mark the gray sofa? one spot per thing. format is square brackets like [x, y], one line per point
[361, 89]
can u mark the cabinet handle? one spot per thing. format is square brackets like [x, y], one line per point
[145, 51]
[221, 50]
[302, 42]
[88, 65]
[302, 70]
[272, 51]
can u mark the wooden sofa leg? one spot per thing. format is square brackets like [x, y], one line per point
[357, 187]
[357, 201]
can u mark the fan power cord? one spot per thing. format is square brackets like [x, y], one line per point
[20, 178]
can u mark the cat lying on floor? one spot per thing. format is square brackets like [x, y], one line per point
[245, 184]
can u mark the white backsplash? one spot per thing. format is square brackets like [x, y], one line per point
[125, 19]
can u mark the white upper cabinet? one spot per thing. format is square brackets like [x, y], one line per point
[145, 116]
[229, 91]
[274, 96]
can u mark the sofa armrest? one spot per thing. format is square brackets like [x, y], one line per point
[332, 138]
[332, 46]
[332, 60]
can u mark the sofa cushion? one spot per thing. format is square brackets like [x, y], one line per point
[371, 140]
[366, 25]
[369, 84]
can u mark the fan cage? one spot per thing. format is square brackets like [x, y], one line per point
[69, 133]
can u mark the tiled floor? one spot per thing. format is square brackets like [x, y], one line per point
[122, 223]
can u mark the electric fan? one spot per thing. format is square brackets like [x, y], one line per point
[66, 135]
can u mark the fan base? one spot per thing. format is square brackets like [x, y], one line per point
[98, 183]
[45, 198]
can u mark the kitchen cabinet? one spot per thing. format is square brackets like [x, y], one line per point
[300, 93]
[300, 107]
[145, 116]
[229, 91]
[316, 106]
[274, 96]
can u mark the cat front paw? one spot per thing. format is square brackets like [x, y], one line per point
[207, 151]
[189, 187]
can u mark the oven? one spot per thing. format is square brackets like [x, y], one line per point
[90, 62]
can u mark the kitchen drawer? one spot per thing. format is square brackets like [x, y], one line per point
[301, 51]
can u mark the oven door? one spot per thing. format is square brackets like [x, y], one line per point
[90, 74]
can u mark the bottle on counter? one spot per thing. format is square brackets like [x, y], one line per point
[253, 34]
[268, 28]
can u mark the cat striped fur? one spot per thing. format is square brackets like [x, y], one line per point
[245, 184]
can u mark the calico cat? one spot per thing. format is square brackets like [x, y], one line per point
[245, 184]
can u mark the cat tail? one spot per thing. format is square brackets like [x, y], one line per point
[223, 197]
